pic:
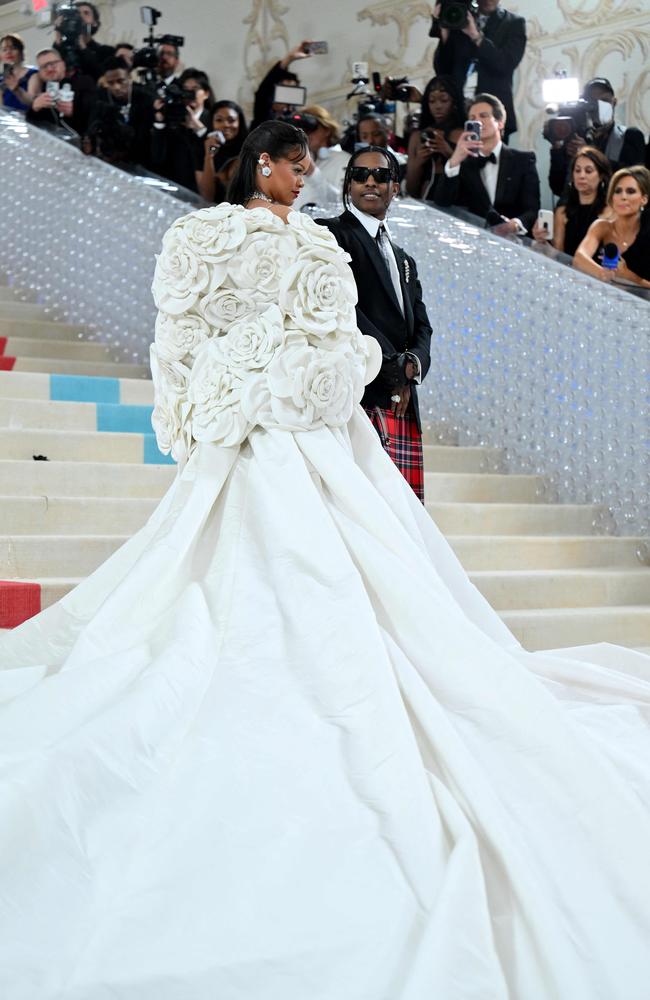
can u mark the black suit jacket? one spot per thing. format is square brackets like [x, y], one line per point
[378, 311]
[517, 193]
[497, 58]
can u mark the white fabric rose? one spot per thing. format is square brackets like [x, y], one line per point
[318, 294]
[224, 306]
[263, 220]
[310, 387]
[180, 337]
[310, 234]
[214, 234]
[180, 275]
[215, 393]
[263, 260]
[251, 344]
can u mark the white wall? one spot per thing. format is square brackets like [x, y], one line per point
[237, 41]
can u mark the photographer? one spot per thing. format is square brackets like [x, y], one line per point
[49, 110]
[623, 147]
[488, 178]
[135, 107]
[75, 27]
[16, 75]
[177, 148]
[264, 107]
[442, 117]
[228, 130]
[169, 61]
[489, 47]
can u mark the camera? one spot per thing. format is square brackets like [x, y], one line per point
[174, 109]
[454, 13]
[397, 89]
[70, 25]
[573, 118]
[146, 58]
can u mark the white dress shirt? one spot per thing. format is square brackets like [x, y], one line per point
[490, 176]
[371, 224]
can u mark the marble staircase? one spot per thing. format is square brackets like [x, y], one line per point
[552, 578]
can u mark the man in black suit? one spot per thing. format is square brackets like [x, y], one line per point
[488, 178]
[390, 307]
[488, 50]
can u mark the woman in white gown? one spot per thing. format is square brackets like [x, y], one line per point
[278, 747]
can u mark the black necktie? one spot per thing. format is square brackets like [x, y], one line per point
[482, 160]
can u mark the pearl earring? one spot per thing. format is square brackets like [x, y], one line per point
[266, 170]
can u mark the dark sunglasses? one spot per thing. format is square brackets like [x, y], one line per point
[381, 175]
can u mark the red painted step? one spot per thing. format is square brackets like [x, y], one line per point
[19, 601]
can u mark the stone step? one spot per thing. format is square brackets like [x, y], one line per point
[109, 369]
[42, 329]
[482, 487]
[451, 458]
[514, 518]
[559, 627]
[56, 515]
[499, 552]
[83, 479]
[26, 557]
[32, 414]
[22, 311]
[574, 588]
[81, 350]
[8, 294]
[438, 433]
[79, 446]
[85, 388]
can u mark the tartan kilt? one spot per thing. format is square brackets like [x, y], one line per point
[402, 440]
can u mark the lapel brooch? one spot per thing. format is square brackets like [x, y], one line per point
[407, 271]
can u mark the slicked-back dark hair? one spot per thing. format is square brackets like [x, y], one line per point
[280, 140]
[391, 159]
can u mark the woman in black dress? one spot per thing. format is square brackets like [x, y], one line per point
[441, 123]
[584, 201]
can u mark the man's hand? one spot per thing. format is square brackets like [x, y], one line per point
[575, 143]
[410, 370]
[192, 121]
[65, 108]
[43, 100]
[467, 145]
[471, 29]
[296, 53]
[399, 409]
[508, 228]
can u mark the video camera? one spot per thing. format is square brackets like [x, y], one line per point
[454, 14]
[580, 118]
[146, 58]
[70, 25]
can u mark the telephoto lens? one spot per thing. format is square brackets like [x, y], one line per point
[454, 13]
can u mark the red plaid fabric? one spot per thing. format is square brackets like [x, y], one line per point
[402, 440]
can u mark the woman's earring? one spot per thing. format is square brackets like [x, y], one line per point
[266, 170]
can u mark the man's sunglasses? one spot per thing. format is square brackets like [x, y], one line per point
[381, 175]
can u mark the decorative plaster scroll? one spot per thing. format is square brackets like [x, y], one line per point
[266, 25]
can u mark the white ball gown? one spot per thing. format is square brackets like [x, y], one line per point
[278, 747]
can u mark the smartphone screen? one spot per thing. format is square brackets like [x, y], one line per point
[317, 48]
[295, 97]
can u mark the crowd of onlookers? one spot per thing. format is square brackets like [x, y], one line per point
[168, 120]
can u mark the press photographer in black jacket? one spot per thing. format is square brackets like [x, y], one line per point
[493, 43]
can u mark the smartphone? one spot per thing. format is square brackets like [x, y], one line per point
[427, 135]
[316, 48]
[295, 97]
[6, 70]
[475, 128]
[545, 219]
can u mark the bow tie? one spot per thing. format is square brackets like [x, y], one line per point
[482, 160]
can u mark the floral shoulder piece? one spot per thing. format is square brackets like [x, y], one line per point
[256, 327]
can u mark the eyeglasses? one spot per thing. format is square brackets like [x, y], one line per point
[381, 175]
[51, 64]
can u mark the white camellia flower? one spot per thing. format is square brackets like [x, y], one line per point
[263, 260]
[252, 343]
[310, 387]
[214, 234]
[222, 307]
[215, 393]
[180, 337]
[318, 294]
[310, 234]
[175, 374]
[180, 275]
[263, 220]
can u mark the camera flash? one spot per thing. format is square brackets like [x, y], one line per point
[561, 89]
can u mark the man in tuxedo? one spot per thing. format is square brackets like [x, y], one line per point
[483, 56]
[490, 179]
[390, 307]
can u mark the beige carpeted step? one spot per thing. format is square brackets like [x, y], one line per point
[451, 458]
[26, 557]
[569, 588]
[24, 311]
[50, 515]
[482, 488]
[35, 414]
[41, 329]
[64, 350]
[495, 552]
[36, 386]
[558, 627]
[84, 479]
[514, 518]
[103, 369]
[72, 446]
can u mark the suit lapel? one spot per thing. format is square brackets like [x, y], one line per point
[375, 257]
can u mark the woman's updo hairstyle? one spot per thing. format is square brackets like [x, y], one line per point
[280, 140]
